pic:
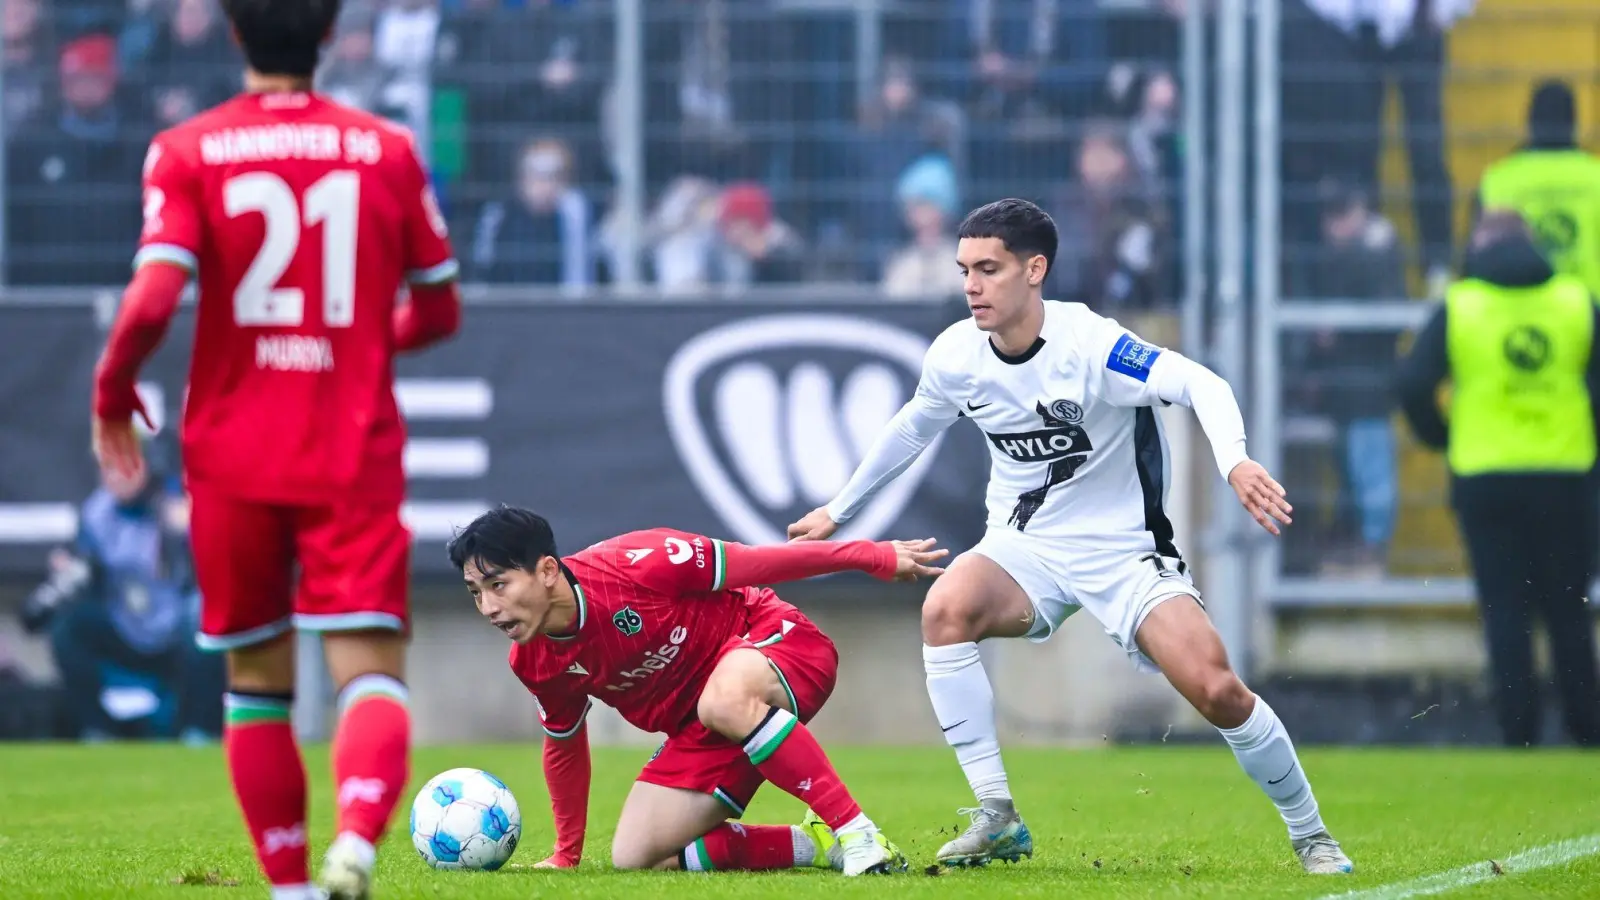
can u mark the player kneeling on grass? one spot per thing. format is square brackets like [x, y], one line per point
[669, 629]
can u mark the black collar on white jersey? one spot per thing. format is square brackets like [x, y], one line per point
[1020, 358]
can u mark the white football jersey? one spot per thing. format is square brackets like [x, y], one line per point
[1077, 450]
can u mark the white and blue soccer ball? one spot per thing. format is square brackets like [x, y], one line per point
[465, 819]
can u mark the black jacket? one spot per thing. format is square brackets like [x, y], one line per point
[1512, 263]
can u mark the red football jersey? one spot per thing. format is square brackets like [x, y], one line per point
[653, 616]
[302, 219]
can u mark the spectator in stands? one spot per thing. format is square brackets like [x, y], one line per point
[757, 247]
[350, 72]
[1030, 68]
[192, 65]
[29, 81]
[1345, 374]
[929, 199]
[897, 127]
[681, 235]
[1149, 100]
[1338, 59]
[121, 608]
[714, 104]
[1152, 112]
[73, 182]
[1029, 57]
[1114, 242]
[403, 43]
[538, 61]
[542, 235]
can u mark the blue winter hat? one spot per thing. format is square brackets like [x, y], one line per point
[930, 179]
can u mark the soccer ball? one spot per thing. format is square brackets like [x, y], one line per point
[465, 819]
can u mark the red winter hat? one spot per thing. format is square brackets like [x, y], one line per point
[94, 54]
[746, 202]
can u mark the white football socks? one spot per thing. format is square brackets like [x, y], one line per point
[1266, 754]
[859, 823]
[964, 702]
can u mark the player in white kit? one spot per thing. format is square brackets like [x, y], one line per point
[1076, 519]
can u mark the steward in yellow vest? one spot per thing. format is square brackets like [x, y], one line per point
[1515, 342]
[1554, 185]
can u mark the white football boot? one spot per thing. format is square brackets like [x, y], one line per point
[996, 832]
[347, 870]
[1320, 854]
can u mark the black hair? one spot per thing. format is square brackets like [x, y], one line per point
[1024, 228]
[508, 537]
[1552, 116]
[282, 37]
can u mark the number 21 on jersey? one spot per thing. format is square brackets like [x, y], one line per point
[330, 202]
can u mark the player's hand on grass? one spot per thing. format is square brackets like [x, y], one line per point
[816, 526]
[913, 559]
[117, 448]
[1260, 495]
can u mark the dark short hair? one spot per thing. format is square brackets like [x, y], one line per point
[508, 537]
[282, 37]
[1497, 225]
[1024, 228]
[1339, 197]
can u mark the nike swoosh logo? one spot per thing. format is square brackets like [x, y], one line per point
[957, 725]
[1285, 775]
[977, 406]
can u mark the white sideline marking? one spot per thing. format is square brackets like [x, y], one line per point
[1544, 857]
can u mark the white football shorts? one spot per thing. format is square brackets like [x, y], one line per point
[1118, 587]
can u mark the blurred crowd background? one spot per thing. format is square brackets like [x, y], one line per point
[767, 156]
[715, 148]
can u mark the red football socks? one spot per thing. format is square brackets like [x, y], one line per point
[370, 754]
[270, 781]
[751, 848]
[786, 754]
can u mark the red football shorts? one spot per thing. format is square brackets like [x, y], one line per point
[697, 759]
[354, 566]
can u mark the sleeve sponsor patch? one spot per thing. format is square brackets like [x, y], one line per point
[1132, 358]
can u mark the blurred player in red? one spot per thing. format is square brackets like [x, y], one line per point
[669, 629]
[301, 220]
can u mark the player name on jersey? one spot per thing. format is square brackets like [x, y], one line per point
[294, 353]
[284, 141]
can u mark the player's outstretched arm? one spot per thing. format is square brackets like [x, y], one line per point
[148, 306]
[903, 439]
[1178, 379]
[566, 775]
[887, 560]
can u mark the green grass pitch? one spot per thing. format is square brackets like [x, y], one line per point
[128, 821]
